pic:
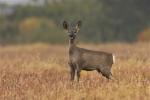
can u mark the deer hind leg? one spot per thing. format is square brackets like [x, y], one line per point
[72, 71]
[105, 71]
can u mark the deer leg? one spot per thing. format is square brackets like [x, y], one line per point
[78, 75]
[72, 72]
[77, 72]
[105, 72]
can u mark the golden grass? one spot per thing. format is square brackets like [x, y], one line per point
[41, 72]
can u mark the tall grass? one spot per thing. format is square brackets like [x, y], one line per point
[41, 72]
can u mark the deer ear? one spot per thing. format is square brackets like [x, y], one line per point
[65, 25]
[78, 25]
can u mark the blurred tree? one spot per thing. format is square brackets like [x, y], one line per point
[144, 36]
[29, 25]
[103, 20]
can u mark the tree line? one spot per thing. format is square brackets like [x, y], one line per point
[103, 21]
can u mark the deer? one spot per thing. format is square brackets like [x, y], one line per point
[84, 59]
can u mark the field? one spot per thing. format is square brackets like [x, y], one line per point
[40, 72]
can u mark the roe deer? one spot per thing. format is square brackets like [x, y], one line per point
[83, 59]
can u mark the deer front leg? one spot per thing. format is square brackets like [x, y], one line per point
[77, 72]
[72, 71]
[78, 75]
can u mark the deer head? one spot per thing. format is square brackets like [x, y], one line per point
[72, 29]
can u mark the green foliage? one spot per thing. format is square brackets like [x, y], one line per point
[103, 20]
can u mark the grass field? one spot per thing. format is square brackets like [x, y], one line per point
[41, 72]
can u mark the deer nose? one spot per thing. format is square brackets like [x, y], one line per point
[72, 35]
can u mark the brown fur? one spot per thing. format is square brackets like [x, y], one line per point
[83, 59]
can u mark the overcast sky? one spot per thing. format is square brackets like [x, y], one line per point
[14, 1]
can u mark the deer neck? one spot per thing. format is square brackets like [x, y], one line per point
[72, 45]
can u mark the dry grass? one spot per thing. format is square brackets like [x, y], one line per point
[40, 72]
